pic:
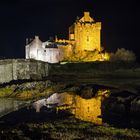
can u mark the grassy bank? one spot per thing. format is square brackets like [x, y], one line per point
[66, 129]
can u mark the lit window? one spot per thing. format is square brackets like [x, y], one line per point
[87, 38]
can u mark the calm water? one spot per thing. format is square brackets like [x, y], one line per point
[119, 111]
[10, 105]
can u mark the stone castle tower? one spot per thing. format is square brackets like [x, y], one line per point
[84, 39]
[84, 34]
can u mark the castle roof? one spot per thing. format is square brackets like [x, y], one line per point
[34, 41]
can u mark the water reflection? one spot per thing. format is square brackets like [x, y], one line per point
[84, 109]
[106, 106]
[10, 105]
[117, 108]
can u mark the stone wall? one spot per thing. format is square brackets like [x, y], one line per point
[22, 69]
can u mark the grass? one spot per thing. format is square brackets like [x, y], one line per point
[4, 92]
[67, 128]
[27, 90]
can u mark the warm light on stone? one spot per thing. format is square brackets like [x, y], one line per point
[84, 42]
[83, 45]
[84, 34]
[84, 109]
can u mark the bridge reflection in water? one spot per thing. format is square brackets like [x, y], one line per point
[10, 105]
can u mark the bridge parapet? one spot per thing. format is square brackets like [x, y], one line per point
[22, 69]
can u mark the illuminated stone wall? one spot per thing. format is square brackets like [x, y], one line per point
[87, 34]
[66, 51]
[39, 50]
[84, 35]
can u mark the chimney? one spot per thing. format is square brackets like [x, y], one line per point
[87, 17]
[86, 14]
[27, 41]
[56, 39]
[36, 37]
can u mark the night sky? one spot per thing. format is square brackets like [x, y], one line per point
[21, 19]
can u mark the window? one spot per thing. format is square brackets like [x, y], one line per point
[87, 38]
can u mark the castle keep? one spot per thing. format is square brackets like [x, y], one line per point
[85, 33]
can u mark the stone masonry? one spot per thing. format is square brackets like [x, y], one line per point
[22, 69]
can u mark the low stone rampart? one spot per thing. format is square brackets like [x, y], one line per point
[22, 69]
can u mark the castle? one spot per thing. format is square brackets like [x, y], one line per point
[84, 44]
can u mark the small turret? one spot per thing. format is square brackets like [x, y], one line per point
[36, 37]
